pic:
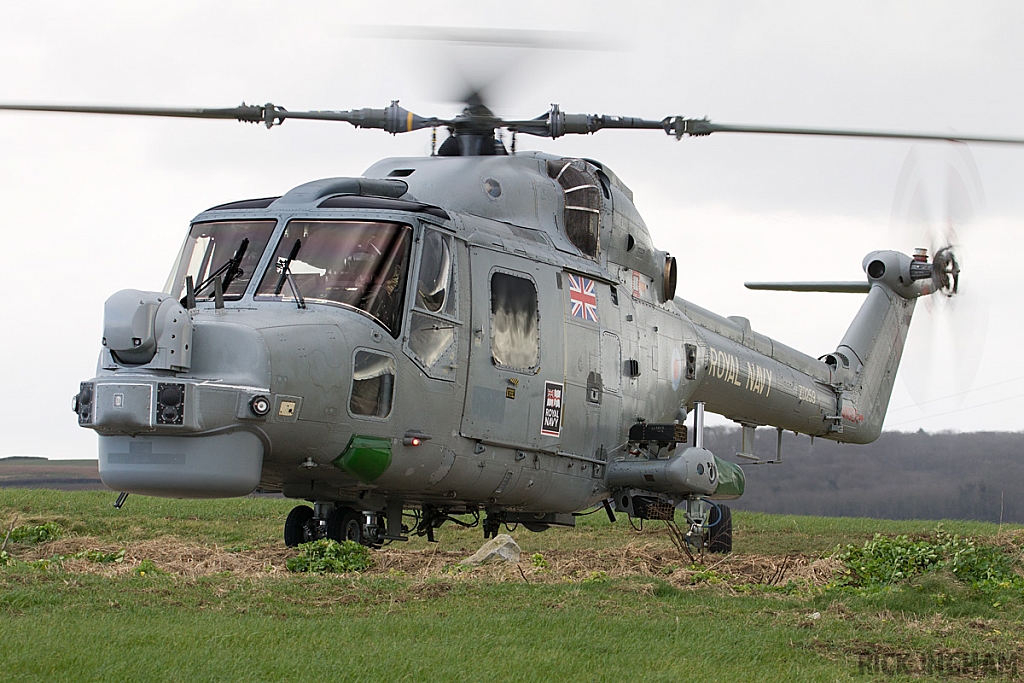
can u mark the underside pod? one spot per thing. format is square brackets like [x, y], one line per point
[693, 471]
[214, 466]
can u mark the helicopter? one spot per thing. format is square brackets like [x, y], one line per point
[481, 332]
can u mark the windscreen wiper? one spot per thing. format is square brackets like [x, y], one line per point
[284, 265]
[229, 271]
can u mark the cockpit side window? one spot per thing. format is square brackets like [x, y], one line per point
[209, 246]
[433, 332]
[435, 281]
[361, 265]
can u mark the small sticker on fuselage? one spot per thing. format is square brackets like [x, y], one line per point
[551, 418]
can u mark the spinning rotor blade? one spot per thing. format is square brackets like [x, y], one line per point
[478, 66]
[495, 37]
[477, 118]
[935, 202]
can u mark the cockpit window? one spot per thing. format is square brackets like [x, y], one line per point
[433, 335]
[358, 264]
[209, 247]
[434, 285]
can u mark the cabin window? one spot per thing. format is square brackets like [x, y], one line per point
[209, 247]
[515, 329]
[373, 384]
[357, 264]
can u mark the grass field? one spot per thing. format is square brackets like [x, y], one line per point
[201, 593]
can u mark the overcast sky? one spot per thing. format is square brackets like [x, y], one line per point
[91, 205]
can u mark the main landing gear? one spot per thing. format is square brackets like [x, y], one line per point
[337, 522]
[720, 534]
[709, 526]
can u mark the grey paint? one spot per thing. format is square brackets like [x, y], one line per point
[486, 448]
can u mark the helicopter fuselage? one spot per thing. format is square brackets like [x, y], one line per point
[460, 334]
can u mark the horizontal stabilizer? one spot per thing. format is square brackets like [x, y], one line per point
[845, 287]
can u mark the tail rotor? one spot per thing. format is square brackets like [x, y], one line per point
[937, 197]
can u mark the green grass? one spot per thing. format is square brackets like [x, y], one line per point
[257, 522]
[782, 534]
[469, 633]
[62, 625]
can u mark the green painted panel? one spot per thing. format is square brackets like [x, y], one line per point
[365, 457]
[730, 480]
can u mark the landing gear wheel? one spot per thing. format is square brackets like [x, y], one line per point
[296, 526]
[720, 535]
[345, 524]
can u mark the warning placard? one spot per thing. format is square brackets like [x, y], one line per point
[551, 421]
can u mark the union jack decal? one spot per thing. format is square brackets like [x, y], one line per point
[582, 298]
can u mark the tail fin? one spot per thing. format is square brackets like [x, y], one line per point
[863, 367]
[865, 363]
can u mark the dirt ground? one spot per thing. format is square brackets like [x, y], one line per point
[184, 559]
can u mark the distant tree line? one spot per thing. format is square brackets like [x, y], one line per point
[902, 475]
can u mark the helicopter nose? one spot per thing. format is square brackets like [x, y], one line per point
[195, 434]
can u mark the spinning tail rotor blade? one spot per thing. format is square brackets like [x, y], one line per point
[937, 196]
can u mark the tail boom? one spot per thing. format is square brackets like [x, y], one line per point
[843, 396]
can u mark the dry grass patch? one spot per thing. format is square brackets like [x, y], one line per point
[168, 554]
[632, 560]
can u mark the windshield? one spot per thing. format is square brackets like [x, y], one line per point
[209, 247]
[358, 264]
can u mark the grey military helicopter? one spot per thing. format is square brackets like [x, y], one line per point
[482, 336]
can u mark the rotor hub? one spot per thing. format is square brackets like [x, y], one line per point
[946, 272]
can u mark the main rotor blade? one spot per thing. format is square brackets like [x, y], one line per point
[554, 124]
[244, 112]
[698, 127]
[393, 119]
